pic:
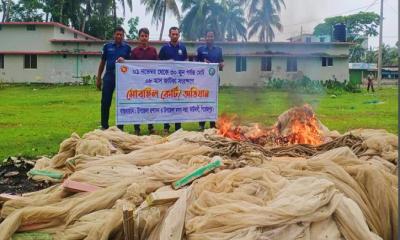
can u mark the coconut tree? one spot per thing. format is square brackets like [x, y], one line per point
[264, 20]
[234, 20]
[159, 8]
[225, 18]
[114, 8]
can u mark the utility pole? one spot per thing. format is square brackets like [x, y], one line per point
[301, 32]
[380, 47]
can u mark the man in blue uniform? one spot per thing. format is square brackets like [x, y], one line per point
[174, 50]
[210, 54]
[111, 52]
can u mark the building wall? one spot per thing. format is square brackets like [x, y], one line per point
[57, 69]
[248, 78]
[66, 35]
[230, 48]
[310, 67]
[17, 38]
[50, 69]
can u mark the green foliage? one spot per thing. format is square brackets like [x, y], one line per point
[94, 17]
[26, 11]
[133, 28]
[390, 56]
[158, 9]
[102, 27]
[225, 18]
[264, 19]
[306, 85]
[234, 21]
[359, 24]
[89, 80]
[337, 88]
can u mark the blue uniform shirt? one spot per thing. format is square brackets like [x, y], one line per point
[111, 52]
[171, 52]
[213, 54]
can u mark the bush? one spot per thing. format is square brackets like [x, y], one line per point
[306, 85]
[88, 80]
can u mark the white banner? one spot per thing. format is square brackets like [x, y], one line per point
[166, 92]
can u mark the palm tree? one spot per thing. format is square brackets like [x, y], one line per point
[234, 20]
[226, 19]
[264, 19]
[261, 4]
[159, 10]
[201, 15]
[114, 8]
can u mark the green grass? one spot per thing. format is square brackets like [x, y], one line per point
[35, 119]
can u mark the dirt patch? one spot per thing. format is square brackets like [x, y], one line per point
[14, 179]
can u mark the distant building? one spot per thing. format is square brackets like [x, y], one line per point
[359, 71]
[54, 53]
[391, 73]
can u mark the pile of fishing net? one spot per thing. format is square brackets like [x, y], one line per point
[342, 189]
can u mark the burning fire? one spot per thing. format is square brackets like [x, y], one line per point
[296, 126]
[305, 132]
[227, 128]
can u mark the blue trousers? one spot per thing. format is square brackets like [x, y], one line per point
[106, 99]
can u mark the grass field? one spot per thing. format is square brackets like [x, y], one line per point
[35, 119]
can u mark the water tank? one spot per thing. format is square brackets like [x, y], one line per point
[339, 32]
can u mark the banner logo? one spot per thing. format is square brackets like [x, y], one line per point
[124, 69]
[211, 71]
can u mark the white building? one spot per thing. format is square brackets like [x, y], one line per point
[310, 38]
[54, 53]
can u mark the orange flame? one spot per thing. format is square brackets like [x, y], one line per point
[305, 132]
[227, 128]
[301, 127]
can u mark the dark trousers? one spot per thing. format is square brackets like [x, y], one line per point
[106, 99]
[370, 84]
[177, 126]
[203, 124]
[149, 126]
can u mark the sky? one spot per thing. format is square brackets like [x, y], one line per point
[298, 14]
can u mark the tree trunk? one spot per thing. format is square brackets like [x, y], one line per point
[86, 15]
[114, 13]
[61, 11]
[163, 19]
[47, 17]
[3, 9]
[6, 5]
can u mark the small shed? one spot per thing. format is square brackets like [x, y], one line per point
[360, 71]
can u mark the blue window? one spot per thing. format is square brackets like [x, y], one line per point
[291, 64]
[30, 61]
[30, 27]
[241, 64]
[1, 60]
[266, 64]
[327, 61]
